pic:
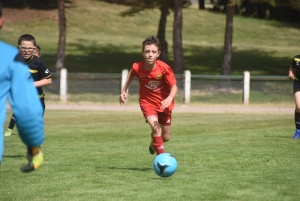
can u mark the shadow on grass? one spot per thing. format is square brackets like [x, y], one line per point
[131, 169]
[135, 169]
[162, 178]
[94, 58]
[14, 156]
[208, 60]
[287, 137]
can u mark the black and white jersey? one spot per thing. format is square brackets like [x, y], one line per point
[39, 71]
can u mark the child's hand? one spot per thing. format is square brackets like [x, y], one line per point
[292, 77]
[166, 103]
[122, 98]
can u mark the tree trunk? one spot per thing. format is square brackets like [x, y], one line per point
[162, 32]
[62, 36]
[267, 11]
[177, 38]
[227, 54]
[201, 4]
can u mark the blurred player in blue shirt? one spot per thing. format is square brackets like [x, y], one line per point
[16, 84]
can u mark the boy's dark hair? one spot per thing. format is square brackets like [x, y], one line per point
[26, 37]
[151, 40]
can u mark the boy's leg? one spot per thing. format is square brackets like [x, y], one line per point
[1, 147]
[34, 154]
[165, 136]
[10, 126]
[297, 114]
[157, 140]
[151, 147]
[166, 133]
[35, 159]
[164, 119]
[43, 104]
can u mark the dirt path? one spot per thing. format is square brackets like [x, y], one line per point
[178, 108]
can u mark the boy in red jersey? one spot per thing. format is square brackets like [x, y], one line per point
[157, 91]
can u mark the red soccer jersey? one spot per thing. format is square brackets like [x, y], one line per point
[154, 84]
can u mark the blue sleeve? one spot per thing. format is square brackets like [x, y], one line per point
[25, 103]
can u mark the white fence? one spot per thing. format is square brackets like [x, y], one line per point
[192, 88]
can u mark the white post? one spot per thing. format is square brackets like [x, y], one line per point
[124, 76]
[246, 91]
[187, 86]
[63, 85]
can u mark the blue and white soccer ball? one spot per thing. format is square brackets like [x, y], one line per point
[165, 165]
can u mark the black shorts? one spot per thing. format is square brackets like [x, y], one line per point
[296, 86]
[43, 104]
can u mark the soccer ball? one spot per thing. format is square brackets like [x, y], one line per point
[165, 165]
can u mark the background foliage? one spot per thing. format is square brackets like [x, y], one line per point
[34, 4]
[100, 39]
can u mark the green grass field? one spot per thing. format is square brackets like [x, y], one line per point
[102, 155]
[100, 40]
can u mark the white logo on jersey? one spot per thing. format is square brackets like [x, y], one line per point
[161, 147]
[152, 85]
[47, 71]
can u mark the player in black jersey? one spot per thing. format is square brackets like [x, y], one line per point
[37, 68]
[294, 74]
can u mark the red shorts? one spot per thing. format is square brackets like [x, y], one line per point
[164, 117]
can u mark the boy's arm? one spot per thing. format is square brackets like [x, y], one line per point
[291, 74]
[123, 96]
[43, 82]
[44, 75]
[167, 102]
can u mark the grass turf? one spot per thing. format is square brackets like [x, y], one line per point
[101, 155]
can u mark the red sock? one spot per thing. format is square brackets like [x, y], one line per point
[158, 144]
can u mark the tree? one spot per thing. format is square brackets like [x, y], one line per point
[227, 51]
[140, 5]
[275, 9]
[34, 4]
[164, 6]
[164, 10]
[201, 4]
[62, 36]
[294, 4]
[177, 37]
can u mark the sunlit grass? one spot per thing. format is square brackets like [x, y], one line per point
[92, 155]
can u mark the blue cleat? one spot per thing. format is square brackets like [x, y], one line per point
[297, 134]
